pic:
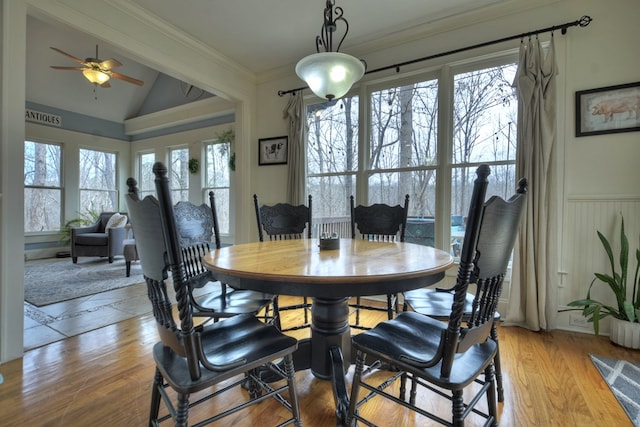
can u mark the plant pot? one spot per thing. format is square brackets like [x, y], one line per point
[625, 333]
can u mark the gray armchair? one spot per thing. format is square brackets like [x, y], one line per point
[94, 241]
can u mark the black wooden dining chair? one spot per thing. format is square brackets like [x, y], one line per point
[436, 303]
[447, 357]
[191, 358]
[384, 223]
[196, 226]
[284, 221]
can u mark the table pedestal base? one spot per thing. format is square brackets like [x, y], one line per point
[329, 328]
[328, 352]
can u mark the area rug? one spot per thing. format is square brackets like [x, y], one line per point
[623, 378]
[55, 280]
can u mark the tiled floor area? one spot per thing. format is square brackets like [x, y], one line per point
[50, 323]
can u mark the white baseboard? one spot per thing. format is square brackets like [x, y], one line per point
[41, 253]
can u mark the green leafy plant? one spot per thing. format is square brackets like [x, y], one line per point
[229, 136]
[86, 218]
[627, 309]
[194, 165]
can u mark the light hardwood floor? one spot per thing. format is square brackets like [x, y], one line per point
[103, 378]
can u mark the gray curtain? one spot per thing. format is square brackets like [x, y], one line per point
[294, 113]
[532, 298]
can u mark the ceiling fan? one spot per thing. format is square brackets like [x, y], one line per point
[96, 70]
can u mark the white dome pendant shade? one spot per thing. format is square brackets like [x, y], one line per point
[330, 75]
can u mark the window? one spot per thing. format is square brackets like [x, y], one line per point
[425, 138]
[179, 174]
[146, 179]
[403, 146]
[217, 156]
[332, 158]
[42, 187]
[98, 190]
[484, 131]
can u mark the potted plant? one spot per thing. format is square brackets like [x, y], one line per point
[625, 315]
[229, 136]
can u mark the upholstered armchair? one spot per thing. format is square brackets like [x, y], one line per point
[101, 239]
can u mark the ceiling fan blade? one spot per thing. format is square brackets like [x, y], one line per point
[78, 60]
[105, 84]
[68, 68]
[109, 64]
[126, 78]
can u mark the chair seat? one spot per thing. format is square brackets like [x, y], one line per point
[226, 342]
[410, 339]
[231, 303]
[92, 239]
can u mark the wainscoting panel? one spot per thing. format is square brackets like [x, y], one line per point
[582, 251]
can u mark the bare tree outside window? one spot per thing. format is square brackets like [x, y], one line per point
[332, 156]
[98, 191]
[403, 146]
[179, 174]
[408, 152]
[42, 187]
[485, 111]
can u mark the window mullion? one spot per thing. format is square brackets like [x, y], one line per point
[445, 148]
[364, 133]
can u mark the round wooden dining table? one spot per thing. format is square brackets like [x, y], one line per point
[357, 268]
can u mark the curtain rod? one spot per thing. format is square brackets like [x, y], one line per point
[582, 22]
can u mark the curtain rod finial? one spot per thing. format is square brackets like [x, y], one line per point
[585, 20]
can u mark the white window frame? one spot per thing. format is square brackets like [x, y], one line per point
[445, 75]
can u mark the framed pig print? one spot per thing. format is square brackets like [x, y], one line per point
[609, 109]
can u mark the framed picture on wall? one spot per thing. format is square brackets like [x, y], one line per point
[273, 151]
[609, 109]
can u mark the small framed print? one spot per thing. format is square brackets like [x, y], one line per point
[273, 151]
[611, 109]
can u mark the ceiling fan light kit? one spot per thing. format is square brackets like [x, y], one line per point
[330, 74]
[95, 76]
[96, 70]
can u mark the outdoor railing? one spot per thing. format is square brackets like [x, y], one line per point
[341, 226]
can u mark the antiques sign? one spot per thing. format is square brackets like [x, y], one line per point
[44, 118]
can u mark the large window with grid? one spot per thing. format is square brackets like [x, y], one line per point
[424, 137]
[98, 186]
[42, 187]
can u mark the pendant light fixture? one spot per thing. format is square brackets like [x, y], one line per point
[330, 74]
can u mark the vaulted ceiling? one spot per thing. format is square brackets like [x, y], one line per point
[261, 36]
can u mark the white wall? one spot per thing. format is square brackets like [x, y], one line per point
[12, 91]
[602, 54]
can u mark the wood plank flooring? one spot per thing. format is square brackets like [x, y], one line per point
[103, 378]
